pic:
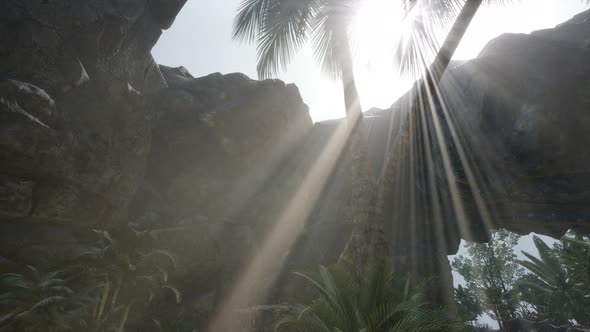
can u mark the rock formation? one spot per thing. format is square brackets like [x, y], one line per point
[75, 129]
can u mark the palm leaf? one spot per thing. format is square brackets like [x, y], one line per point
[46, 302]
[249, 19]
[7, 316]
[177, 293]
[372, 300]
[286, 27]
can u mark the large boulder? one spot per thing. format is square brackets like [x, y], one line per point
[58, 44]
[63, 161]
[75, 123]
[217, 143]
[521, 111]
[75, 129]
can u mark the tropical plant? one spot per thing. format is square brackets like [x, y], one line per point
[97, 290]
[379, 301]
[129, 272]
[175, 325]
[443, 11]
[557, 276]
[434, 16]
[280, 28]
[576, 258]
[468, 306]
[491, 272]
[40, 301]
[550, 277]
[576, 254]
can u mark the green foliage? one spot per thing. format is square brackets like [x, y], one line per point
[491, 272]
[39, 301]
[555, 289]
[551, 279]
[558, 281]
[576, 255]
[181, 322]
[576, 258]
[377, 301]
[127, 272]
[280, 28]
[468, 306]
[107, 281]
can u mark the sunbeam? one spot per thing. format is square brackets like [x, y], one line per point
[260, 273]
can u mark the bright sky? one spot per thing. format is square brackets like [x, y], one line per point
[200, 40]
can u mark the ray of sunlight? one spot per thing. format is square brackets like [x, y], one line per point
[259, 274]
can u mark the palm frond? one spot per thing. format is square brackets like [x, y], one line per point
[175, 291]
[7, 316]
[249, 19]
[47, 302]
[374, 299]
[284, 30]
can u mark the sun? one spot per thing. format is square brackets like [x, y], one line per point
[375, 33]
[376, 22]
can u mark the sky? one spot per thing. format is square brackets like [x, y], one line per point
[200, 40]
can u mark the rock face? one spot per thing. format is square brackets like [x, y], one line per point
[219, 144]
[515, 111]
[216, 140]
[75, 131]
[509, 114]
[94, 134]
[500, 150]
[59, 44]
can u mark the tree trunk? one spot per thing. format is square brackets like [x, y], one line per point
[449, 46]
[425, 96]
[366, 239]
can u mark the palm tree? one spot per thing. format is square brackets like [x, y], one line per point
[280, 28]
[551, 278]
[577, 258]
[379, 301]
[40, 301]
[439, 13]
